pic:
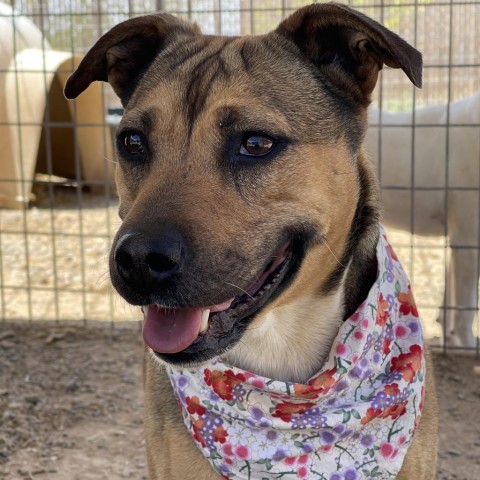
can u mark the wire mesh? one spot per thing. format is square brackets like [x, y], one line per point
[54, 242]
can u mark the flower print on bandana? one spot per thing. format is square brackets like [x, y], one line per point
[353, 420]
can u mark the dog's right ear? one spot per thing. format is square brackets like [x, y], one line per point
[125, 52]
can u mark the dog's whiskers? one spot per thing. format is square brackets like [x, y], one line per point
[333, 254]
[241, 289]
[114, 161]
[104, 277]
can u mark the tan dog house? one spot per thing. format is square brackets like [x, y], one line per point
[40, 130]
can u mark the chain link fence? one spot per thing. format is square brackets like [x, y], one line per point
[57, 193]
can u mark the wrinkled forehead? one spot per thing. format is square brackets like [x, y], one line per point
[235, 78]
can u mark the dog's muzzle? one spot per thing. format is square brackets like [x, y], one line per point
[195, 307]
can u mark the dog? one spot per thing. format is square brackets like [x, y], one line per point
[276, 315]
[448, 205]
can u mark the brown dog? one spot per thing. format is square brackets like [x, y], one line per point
[250, 214]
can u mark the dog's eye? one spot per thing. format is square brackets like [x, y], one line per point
[256, 145]
[133, 143]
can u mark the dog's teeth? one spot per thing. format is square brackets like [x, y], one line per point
[204, 324]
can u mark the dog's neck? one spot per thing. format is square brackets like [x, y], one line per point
[360, 251]
[302, 331]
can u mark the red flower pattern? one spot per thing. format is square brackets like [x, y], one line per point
[382, 311]
[287, 409]
[408, 363]
[223, 382]
[194, 406]
[318, 385]
[197, 432]
[393, 412]
[407, 303]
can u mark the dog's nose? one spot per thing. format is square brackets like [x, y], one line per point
[145, 259]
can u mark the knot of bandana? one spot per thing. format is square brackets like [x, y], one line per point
[353, 420]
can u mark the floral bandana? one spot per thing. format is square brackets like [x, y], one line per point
[353, 420]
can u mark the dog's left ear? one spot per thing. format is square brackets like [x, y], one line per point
[340, 41]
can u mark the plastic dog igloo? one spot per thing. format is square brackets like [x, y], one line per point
[39, 128]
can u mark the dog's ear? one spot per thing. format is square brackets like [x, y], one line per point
[125, 52]
[342, 41]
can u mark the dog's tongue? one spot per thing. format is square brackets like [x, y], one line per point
[171, 330]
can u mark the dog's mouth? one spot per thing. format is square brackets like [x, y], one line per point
[190, 335]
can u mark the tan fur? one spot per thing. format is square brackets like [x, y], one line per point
[304, 350]
[286, 83]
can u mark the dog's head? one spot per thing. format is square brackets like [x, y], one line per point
[238, 166]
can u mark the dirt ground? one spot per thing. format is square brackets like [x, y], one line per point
[71, 405]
